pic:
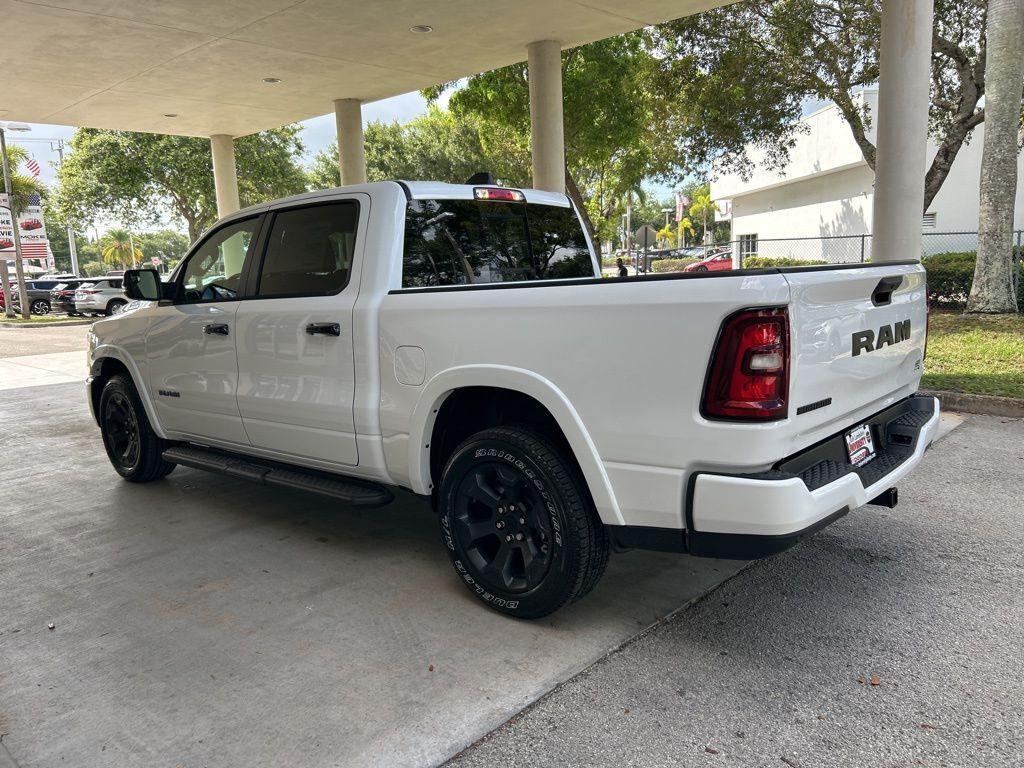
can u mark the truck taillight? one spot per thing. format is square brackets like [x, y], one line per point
[749, 375]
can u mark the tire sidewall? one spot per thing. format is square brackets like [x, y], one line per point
[560, 575]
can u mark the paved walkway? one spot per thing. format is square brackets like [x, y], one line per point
[892, 638]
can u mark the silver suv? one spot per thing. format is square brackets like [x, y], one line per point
[102, 296]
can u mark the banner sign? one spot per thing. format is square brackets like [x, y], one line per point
[34, 244]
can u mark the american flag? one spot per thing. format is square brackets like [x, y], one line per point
[34, 249]
[33, 166]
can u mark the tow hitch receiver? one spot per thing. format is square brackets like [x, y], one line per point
[887, 498]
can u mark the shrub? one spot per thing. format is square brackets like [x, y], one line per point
[767, 262]
[950, 276]
[671, 265]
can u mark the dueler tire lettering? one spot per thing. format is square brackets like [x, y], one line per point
[518, 523]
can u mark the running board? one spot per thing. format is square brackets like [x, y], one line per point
[357, 493]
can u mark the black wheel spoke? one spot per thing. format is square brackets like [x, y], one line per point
[471, 531]
[502, 525]
[480, 489]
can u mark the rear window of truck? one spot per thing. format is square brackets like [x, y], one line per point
[469, 242]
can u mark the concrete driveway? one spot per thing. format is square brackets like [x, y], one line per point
[203, 621]
[894, 638]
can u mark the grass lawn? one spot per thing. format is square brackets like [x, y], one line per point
[38, 319]
[982, 355]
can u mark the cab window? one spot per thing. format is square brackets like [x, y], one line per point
[214, 271]
[310, 250]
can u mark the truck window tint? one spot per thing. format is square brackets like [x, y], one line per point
[463, 242]
[213, 272]
[309, 251]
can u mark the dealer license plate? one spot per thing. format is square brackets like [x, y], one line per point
[860, 445]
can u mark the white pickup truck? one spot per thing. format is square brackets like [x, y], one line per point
[459, 341]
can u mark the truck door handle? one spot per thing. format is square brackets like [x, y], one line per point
[221, 329]
[323, 329]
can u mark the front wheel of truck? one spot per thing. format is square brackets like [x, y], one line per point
[132, 446]
[518, 523]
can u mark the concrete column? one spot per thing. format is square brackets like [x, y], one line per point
[902, 137]
[225, 177]
[544, 58]
[348, 116]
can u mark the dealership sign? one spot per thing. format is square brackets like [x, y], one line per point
[34, 244]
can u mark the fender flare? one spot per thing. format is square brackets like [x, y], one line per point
[435, 391]
[110, 352]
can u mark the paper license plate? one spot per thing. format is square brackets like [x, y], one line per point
[860, 445]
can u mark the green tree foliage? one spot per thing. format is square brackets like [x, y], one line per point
[437, 146]
[144, 178]
[738, 76]
[118, 249]
[168, 245]
[607, 115]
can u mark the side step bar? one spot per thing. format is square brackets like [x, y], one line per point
[357, 493]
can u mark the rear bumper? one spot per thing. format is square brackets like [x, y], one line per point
[748, 516]
[758, 515]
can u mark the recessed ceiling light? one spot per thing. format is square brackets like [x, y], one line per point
[170, 114]
[421, 29]
[271, 80]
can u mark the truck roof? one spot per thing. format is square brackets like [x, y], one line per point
[416, 190]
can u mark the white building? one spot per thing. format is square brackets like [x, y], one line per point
[826, 191]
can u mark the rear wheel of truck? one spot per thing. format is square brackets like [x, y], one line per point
[132, 446]
[518, 523]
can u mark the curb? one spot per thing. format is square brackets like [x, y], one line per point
[58, 324]
[990, 405]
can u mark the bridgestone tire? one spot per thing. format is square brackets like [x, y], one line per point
[145, 462]
[575, 542]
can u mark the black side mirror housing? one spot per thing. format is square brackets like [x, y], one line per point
[143, 285]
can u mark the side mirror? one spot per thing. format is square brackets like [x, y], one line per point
[143, 284]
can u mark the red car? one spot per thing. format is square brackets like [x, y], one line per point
[716, 262]
[31, 224]
[6, 244]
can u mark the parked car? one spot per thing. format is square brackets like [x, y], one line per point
[717, 262]
[102, 296]
[39, 292]
[62, 297]
[440, 338]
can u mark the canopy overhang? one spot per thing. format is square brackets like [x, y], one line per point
[197, 67]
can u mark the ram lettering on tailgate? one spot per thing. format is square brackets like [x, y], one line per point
[865, 341]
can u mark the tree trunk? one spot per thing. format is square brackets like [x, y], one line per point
[993, 289]
[573, 192]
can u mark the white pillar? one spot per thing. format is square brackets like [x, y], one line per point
[348, 117]
[225, 178]
[544, 58]
[902, 138]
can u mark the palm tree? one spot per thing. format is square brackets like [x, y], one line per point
[700, 207]
[993, 289]
[117, 249]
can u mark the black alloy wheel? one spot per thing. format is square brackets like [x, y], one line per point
[134, 449]
[121, 431]
[518, 522]
[503, 526]
[40, 307]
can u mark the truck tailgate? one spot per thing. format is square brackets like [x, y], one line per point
[858, 341]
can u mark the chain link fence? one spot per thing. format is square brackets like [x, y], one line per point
[753, 251]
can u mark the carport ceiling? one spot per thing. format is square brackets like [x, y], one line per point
[127, 64]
